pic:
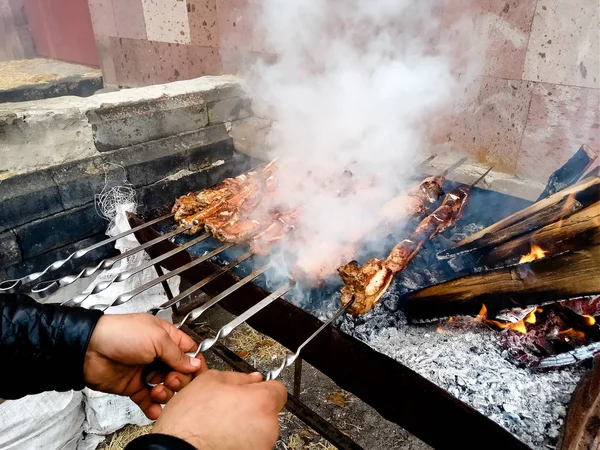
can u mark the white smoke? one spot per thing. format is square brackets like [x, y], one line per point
[354, 86]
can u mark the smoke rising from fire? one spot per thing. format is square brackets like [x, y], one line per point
[351, 94]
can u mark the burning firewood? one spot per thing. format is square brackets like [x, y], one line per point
[550, 210]
[553, 278]
[366, 285]
[576, 231]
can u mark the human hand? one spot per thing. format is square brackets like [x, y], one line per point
[122, 344]
[225, 411]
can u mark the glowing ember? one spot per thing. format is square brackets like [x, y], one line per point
[536, 253]
[589, 320]
[570, 333]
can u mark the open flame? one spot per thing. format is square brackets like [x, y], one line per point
[536, 253]
[514, 326]
[571, 333]
[589, 320]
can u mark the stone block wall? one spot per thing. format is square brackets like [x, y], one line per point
[164, 141]
[530, 69]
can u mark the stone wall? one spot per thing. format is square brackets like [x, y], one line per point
[529, 68]
[57, 154]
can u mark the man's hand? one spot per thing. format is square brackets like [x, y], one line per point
[225, 411]
[122, 344]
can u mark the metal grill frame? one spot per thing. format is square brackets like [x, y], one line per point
[399, 394]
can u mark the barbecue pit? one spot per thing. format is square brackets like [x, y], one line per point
[435, 380]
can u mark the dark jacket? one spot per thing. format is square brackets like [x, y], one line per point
[42, 348]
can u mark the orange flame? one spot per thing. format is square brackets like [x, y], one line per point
[530, 318]
[536, 253]
[517, 326]
[589, 320]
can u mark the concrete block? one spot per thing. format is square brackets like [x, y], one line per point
[229, 109]
[251, 137]
[56, 231]
[130, 123]
[10, 253]
[26, 197]
[166, 191]
[40, 262]
[78, 182]
[35, 135]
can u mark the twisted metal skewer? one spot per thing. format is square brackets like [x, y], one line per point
[125, 297]
[228, 328]
[197, 312]
[290, 358]
[79, 299]
[220, 271]
[13, 286]
[47, 288]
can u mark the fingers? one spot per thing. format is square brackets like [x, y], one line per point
[171, 353]
[177, 381]
[161, 394]
[240, 378]
[276, 392]
[185, 343]
[144, 400]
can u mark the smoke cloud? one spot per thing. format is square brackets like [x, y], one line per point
[351, 93]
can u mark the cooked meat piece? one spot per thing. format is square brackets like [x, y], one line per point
[238, 231]
[368, 283]
[222, 218]
[186, 205]
[263, 243]
[432, 188]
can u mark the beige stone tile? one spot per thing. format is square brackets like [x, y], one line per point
[103, 17]
[489, 120]
[107, 63]
[487, 37]
[167, 21]
[561, 118]
[565, 43]
[129, 19]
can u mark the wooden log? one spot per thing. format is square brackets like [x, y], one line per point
[570, 172]
[578, 230]
[539, 282]
[586, 192]
[581, 430]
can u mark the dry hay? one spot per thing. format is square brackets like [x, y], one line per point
[298, 442]
[246, 341]
[23, 72]
[124, 436]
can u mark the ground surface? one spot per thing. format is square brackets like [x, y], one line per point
[38, 71]
[342, 409]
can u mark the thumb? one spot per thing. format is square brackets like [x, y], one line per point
[170, 353]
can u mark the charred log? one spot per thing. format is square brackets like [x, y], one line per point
[569, 173]
[586, 192]
[542, 281]
[577, 231]
[582, 425]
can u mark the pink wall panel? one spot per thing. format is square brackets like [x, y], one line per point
[62, 29]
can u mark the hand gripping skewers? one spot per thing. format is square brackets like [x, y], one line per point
[365, 285]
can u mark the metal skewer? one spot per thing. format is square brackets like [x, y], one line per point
[196, 313]
[220, 271]
[125, 275]
[47, 288]
[13, 286]
[478, 180]
[125, 297]
[228, 328]
[453, 167]
[291, 357]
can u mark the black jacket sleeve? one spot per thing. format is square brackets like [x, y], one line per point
[159, 442]
[42, 347]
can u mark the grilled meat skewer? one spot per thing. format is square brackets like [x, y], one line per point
[367, 284]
